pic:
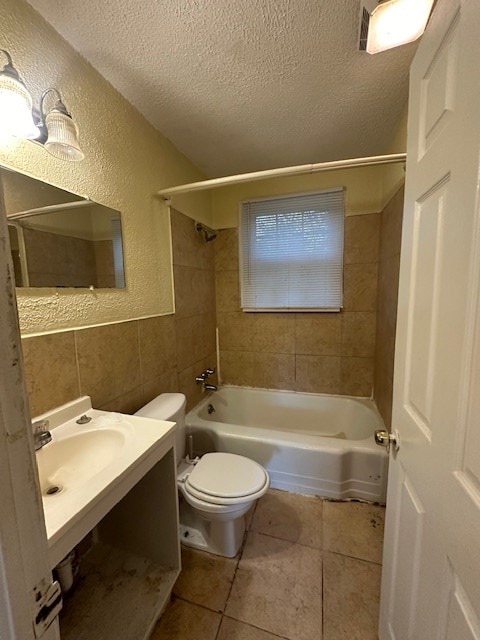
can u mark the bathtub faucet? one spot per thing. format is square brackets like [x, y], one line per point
[203, 377]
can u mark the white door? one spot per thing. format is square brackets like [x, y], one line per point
[25, 577]
[431, 575]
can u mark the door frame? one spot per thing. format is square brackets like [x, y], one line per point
[23, 540]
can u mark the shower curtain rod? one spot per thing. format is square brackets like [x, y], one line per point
[284, 171]
[51, 208]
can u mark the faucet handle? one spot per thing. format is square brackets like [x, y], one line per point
[41, 425]
[209, 372]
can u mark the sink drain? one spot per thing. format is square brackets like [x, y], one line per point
[51, 491]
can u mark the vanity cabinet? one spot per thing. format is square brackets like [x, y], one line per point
[115, 481]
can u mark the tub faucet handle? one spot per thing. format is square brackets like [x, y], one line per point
[209, 372]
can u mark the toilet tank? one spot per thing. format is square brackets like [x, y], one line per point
[169, 406]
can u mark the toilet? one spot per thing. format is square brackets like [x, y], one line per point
[215, 491]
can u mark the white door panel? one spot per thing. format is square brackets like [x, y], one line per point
[431, 578]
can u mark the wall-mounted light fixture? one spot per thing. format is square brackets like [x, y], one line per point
[15, 104]
[61, 131]
[55, 128]
[391, 23]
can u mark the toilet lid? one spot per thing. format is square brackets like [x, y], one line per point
[226, 475]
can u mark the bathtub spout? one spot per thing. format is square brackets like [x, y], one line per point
[210, 387]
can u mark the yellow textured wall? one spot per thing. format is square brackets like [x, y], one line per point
[364, 192]
[126, 162]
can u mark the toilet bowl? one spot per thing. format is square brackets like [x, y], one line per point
[215, 491]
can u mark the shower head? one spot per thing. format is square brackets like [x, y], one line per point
[208, 234]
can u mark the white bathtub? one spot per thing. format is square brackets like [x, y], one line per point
[309, 443]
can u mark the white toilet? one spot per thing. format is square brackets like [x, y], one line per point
[216, 491]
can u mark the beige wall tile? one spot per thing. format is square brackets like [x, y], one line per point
[227, 288]
[167, 383]
[129, 402]
[360, 287]
[188, 386]
[273, 371]
[358, 333]
[51, 371]
[237, 367]
[209, 333]
[236, 331]
[274, 332]
[262, 332]
[356, 377]
[317, 374]
[205, 286]
[318, 334]
[157, 346]
[362, 238]
[189, 336]
[388, 278]
[108, 361]
[186, 291]
[391, 226]
[189, 247]
[226, 250]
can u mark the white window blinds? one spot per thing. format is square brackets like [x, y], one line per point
[291, 252]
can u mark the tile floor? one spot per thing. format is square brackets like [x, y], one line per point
[309, 569]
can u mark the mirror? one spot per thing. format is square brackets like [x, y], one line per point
[59, 239]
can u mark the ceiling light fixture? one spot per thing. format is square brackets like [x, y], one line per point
[61, 131]
[393, 23]
[15, 104]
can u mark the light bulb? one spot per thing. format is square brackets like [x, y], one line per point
[397, 22]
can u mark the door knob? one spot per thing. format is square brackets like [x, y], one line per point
[385, 439]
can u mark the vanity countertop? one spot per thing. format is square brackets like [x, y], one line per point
[87, 468]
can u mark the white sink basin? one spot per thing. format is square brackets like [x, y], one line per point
[68, 462]
[87, 468]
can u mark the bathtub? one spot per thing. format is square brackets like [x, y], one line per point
[310, 443]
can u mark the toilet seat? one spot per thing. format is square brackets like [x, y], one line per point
[226, 479]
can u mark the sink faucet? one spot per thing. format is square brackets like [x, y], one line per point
[41, 434]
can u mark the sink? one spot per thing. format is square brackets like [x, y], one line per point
[68, 462]
[88, 467]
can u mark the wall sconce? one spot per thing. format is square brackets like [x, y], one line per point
[59, 131]
[15, 104]
[55, 129]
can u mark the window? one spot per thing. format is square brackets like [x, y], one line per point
[291, 252]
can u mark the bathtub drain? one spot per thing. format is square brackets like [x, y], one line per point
[56, 488]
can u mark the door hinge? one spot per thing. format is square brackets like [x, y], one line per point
[48, 603]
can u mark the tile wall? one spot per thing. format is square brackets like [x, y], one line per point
[389, 267]
[122, 366]
[313, 352]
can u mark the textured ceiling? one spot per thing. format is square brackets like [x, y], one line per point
[242, 85]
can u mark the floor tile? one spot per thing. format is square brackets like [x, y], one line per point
[354, 529]
[205, 579]
[278, 587]
[351, 598]
[290, 517]
[234, 630]
[185, 621]
[249, 516]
